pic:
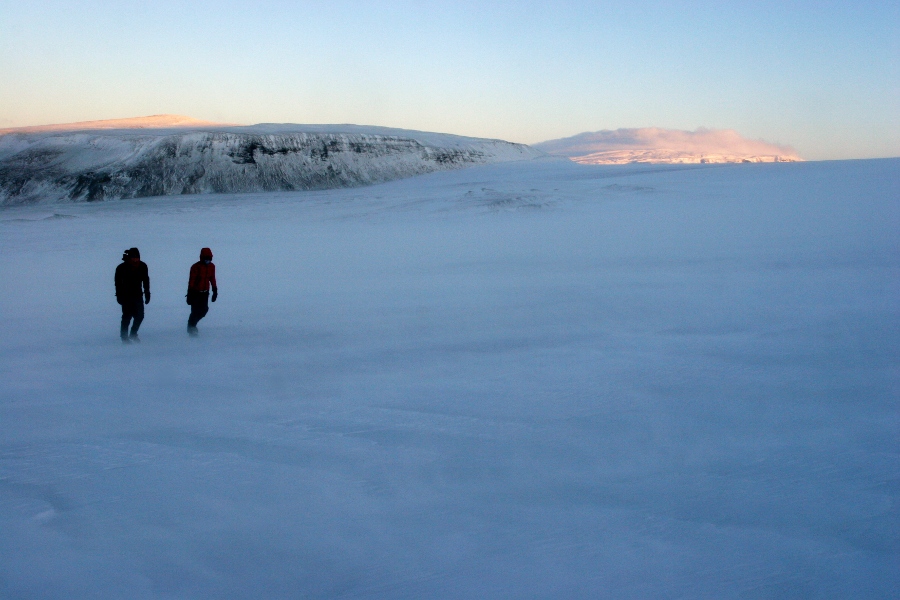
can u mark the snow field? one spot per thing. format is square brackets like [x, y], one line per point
[535, 379]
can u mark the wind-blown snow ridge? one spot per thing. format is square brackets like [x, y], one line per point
[130, 162]
[655, 145]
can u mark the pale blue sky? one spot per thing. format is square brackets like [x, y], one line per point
[821, 76]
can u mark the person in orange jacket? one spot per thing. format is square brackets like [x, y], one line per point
[202, 279]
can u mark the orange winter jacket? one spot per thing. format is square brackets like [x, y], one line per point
[202, 278]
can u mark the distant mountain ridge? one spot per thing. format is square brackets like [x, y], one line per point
[171, 155]
[656, 145]
[666, 156]
[151, 122]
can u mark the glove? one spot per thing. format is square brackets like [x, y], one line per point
[119, 300]
[146, 297]
[187, 297]
[215, 295]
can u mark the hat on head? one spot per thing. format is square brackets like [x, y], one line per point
[205, 253]
[133, 253]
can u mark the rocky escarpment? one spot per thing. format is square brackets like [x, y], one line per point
[108, 164]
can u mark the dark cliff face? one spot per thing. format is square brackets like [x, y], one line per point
[95, 166]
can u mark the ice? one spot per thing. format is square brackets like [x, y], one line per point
[46, 166]
[535, 379]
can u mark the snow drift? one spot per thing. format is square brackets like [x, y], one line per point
[175, 156]
[655, 145]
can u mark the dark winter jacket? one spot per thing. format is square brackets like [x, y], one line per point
[202, 278]
[129, 280]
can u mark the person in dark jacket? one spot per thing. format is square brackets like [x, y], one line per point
[202, 279]
[132, 291]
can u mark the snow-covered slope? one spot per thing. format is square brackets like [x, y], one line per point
[98, 164]
[670, 146]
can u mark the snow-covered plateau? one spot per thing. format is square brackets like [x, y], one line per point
[534, 379]
[654, 145]
[101, 162]
[674, 157]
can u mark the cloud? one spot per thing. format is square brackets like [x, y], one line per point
[701, 141]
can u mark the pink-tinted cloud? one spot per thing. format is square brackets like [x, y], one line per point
[701, 141]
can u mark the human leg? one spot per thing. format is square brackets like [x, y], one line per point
[199, 308]
[126, 319]
[138, 312]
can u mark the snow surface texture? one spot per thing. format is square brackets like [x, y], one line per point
[655, 145]
[102, 164]
[528, 380]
